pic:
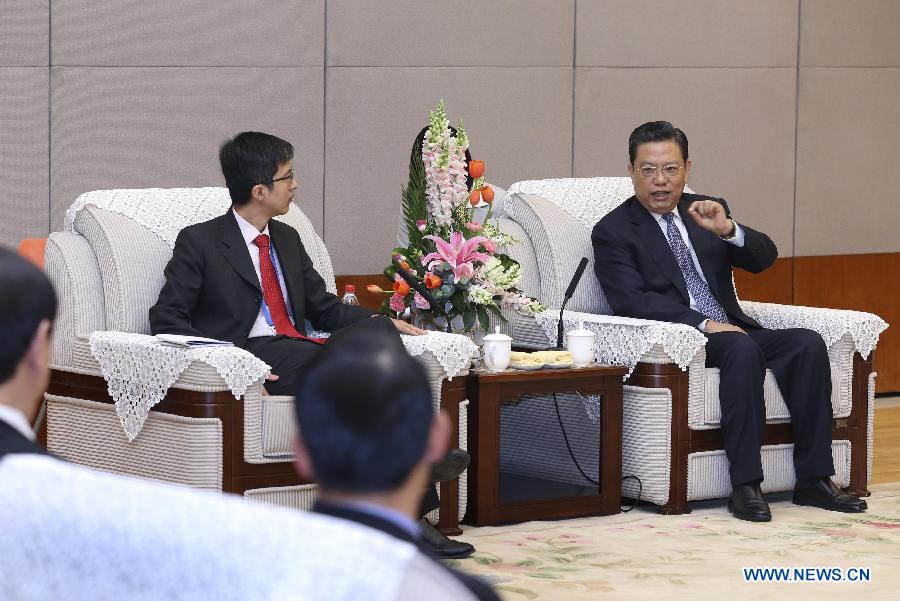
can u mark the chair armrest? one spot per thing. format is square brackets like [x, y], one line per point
[625, 341]
[831, 324]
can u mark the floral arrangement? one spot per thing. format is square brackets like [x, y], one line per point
[452, 253]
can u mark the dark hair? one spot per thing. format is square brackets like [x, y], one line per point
[252, 158]
[26, 299]
[656, 131]
[417, 153]
[364, 409]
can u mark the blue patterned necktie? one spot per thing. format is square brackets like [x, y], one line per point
[696, 285]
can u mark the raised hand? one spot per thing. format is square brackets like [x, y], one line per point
[710, 215]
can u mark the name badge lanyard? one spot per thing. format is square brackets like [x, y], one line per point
[265, 307]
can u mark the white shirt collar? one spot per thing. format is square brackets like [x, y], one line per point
[17, 420]
[248, 230]
[658, 217]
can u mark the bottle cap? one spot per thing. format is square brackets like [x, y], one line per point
[350, 288]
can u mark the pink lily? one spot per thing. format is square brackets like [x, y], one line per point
[459, 253]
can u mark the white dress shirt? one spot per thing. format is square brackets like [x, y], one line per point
[261, 327]
[17, 420]
[737, 240]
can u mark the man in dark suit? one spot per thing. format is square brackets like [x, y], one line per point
[667, 256]
[367, 433]
[247, 278]
[27, 309]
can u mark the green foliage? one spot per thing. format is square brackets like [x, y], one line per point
[412, 197]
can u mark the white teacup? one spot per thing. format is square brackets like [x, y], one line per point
[497, 349]
[580, 343]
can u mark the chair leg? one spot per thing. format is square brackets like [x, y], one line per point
[859, 430]
[677, 503]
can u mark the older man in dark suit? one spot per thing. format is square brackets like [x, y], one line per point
[246, 278]
[27, 309]
[667, 256]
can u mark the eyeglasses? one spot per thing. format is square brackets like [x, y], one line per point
[289, 176]
[670, 171]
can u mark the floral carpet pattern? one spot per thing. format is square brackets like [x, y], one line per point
[643, 555]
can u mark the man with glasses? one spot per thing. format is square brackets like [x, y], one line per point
[246, 278]
[667, 256]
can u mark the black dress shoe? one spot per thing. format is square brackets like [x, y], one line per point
[443, 547]
[451, 466]
[747, 503]
[822, 493]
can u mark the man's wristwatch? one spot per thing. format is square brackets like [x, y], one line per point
[730, 234]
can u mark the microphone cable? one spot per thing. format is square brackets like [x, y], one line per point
[578, 465]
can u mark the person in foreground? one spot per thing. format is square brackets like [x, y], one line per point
[368, 434]
[247, 278]
[667, 256]
[27, 309]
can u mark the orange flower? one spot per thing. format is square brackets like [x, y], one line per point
[475, 197]
[374, 289]
[404, 265]
[401, 288]
[476, 169]
[432, 281]
[487, 193]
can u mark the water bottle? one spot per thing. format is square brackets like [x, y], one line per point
[349, 297]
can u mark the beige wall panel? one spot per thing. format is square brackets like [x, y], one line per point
[24, 210]
[224, 33]
[461, 33]
[847, 33]
[161, 127]
[691, 33]
[24, 37]
[847, 143]
[740, 123]
[519, 122]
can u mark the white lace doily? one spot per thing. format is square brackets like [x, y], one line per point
[831, 324]
[73, 534]
[165, 212]
[623, 340]
[139, 371]
[453, 351]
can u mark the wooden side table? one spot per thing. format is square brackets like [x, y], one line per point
[488, 391]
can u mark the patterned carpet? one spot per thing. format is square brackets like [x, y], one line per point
[642, 555]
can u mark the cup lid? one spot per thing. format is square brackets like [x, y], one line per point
[581, 331]
[496, 335]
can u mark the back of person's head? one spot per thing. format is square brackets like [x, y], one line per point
[26, 299]
[249, 159]
[656, 131]
[364, 410]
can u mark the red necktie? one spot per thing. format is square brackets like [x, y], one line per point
[273, 295]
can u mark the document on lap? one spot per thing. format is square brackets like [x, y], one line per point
[190, 341]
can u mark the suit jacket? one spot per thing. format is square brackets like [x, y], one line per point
[212, 288]
[641, 277]
[479, 588]
[12, 441]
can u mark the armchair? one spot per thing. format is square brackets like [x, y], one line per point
[194, 418]
[672, 439]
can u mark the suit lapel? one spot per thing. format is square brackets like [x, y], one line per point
[651, 234]
[702, 242]
[236, 252]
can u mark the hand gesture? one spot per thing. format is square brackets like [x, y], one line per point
[710, 215]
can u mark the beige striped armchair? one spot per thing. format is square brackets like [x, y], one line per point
[672, 441]
[107, 268]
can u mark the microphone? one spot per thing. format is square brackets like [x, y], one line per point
[579, 271]
[418, 287]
